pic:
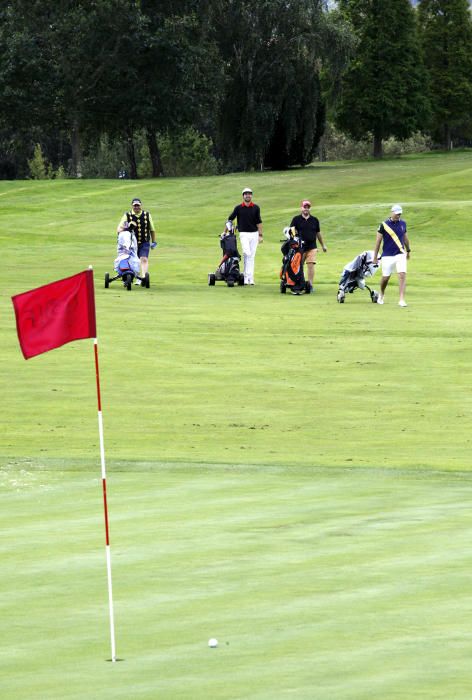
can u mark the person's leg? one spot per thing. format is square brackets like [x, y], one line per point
[249, 241]
[401, 269]
[309, 259]
[383, 284]
[402, 286]
[143, 253]
[246, 248]
[253, 243]
[388, 265]
[310, 268]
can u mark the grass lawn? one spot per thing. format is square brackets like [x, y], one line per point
[287, 474]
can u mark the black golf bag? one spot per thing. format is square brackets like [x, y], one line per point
[228, 270]
[291, 274]
[354, 274]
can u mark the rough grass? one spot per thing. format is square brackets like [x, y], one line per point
[286, 474]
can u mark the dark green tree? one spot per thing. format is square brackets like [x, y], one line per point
[178, 67]
[76, 69]
[384, 89]
[271, 112]
[59, 62]
[94, 43]
[27, 84]
[446, 33]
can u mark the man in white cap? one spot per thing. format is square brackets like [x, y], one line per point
[248, 216]
[395, 252]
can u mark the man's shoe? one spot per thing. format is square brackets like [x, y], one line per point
[380, 300]
[402, 303]
[137, 283]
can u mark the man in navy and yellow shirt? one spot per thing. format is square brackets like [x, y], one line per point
[395, 252]
[145, 232]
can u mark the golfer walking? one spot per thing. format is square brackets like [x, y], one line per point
[248, 217]
[395, 252]
[308, 228]
[145, 232]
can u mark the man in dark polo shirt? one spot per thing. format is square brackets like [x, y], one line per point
[308, 229]
[248, 216]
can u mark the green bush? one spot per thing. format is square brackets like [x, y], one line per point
[105, 159]
[337, 145]
[418, 143]
[38, 166]
[60, 173]
[185, 153]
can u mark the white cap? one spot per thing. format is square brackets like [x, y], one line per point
[247, 189]
[396, 209]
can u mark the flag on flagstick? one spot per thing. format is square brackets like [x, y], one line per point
[51, 316]
[55, 314]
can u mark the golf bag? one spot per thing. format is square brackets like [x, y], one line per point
[127, 249]
[126, 264]
[354, 274]
[291, 273]
[228, 270]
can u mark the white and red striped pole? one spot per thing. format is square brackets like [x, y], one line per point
[105, 505]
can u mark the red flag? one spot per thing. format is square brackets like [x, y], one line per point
[55, 314]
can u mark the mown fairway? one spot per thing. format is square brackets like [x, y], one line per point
[286, 474]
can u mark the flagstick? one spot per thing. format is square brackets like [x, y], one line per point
[104, 484]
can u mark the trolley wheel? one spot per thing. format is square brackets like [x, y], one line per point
[341, 296]
[107, 280]
[128, 282]
[147, 281]
[211, 279]
[374, 296]
[241, 280]
[283, 288]
[230, 283]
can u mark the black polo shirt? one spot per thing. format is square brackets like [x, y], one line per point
[307, 230]
[247, 217]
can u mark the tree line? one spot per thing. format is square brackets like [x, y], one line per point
[257, 80]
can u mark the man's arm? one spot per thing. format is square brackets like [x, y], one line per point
[320, 238]
[407, 246]
[378, 241]
[233, 214]
[120, 226]
[152, 229]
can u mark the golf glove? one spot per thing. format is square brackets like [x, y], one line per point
[154, 245]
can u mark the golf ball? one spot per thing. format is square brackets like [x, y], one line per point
[212, 642]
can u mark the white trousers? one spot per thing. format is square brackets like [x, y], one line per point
[249, 241]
